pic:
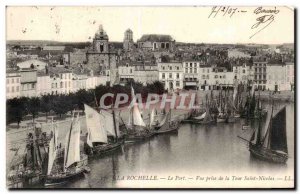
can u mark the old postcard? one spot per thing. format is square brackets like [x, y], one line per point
[150, 97]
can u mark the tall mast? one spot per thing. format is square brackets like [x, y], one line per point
[115, 127]
[67, 151]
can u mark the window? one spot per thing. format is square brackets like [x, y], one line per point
[191, 70]
[177, 83]
[177, 75]
[13, 89]
[177, 68]
[7, 89]
[167, 45]
[186, 70]
[17, 89]
[12, 80]
[244, 71]
[163, 75]
[32, 86]
[170, 75]
[163, 67]
[61, 84]
[7, 81]
[191, 64]
[101, 47]
[66, 85]
[203, 70]
[203, 76]
[195, 70]
[207, 77]
[216, 76]
[207, 70]
[18, 80]
[170, 67]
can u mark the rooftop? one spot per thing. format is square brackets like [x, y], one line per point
[156, 38]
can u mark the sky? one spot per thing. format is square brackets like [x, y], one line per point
[184, 24]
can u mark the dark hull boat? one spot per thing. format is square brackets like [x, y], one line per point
[136, 129]
[273, 146]
[100, 125]
[103, 148]
[167, 126]
[71, 174]
[267, 154]
[138, 135]
[74, 163]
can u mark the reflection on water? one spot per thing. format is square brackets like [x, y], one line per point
[195, 149]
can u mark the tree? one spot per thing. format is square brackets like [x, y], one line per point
[46, 104]
[62, 104]
[15, 110]
[83, 97]
[33, 107]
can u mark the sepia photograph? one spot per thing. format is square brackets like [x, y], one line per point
[150, 97]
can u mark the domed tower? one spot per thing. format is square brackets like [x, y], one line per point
[128, 40]
[100, 42]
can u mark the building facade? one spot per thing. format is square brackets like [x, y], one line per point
[13, 84]
[171, 75]
[156, 42]
[260, 72]
[28, 82]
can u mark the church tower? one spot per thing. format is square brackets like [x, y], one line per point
[128, 40]
[100, 42]
[100, 58]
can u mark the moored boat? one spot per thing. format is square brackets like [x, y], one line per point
[74, 163]
[271, 147]
[103, 132]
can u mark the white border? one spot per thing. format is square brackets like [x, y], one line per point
[3, 3]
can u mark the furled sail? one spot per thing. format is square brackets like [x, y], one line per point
[277, 135]
[72, 147]
[52, 148]
[95, 126]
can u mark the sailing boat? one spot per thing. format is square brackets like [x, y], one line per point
[273, 146]
[194, 115]
[167, 125]
[206, 117]
[136, 127]
[74, 164]
[222, 109]
[99, 126]
[29, 162]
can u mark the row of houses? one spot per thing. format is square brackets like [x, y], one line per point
[40, 79]
[265, 76]
[32, 82]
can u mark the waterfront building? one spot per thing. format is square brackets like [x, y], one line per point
[61, 80]
[171, 75]
[290, 76]
[13, 83]
[28, 82]
[43, 86]
[243, 72]
[260, 72]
